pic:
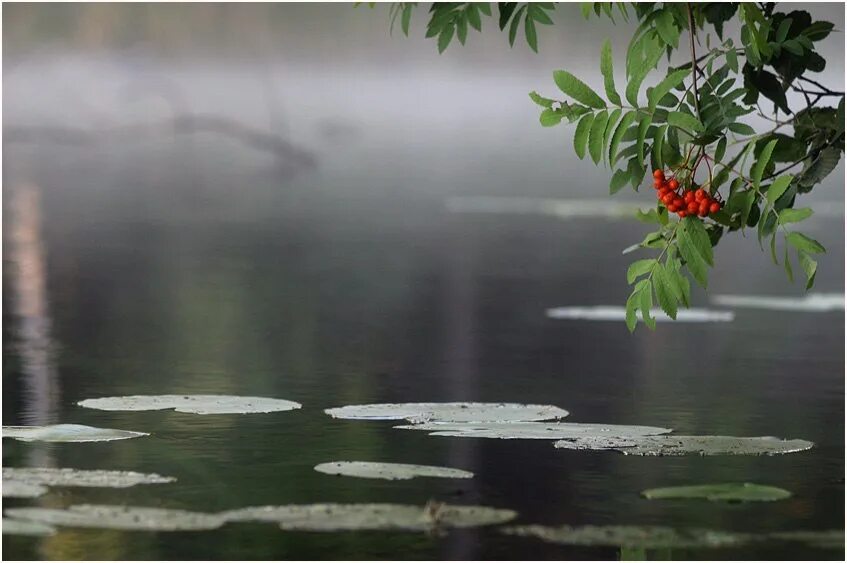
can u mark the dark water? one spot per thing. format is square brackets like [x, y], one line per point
[164, 262]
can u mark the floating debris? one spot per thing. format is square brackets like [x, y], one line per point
[346, 517]
[630, 536]
[193, 404]
[65, 477]
[389, 471]
[449, 412]
[688, 445]
[13, 526]
[812, 302]
[67, 433]
[21, 489]
[732, 492]
[119, 518]
[534, 430]
[613, 313]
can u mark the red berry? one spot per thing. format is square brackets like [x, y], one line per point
[667, 199]
[658, 174]
[678, 201]
[715, 207]
[699, 194]
[674, 185]
[689, 197]
[682, 213]
[692, 207]
[672, 207]
[658, 182]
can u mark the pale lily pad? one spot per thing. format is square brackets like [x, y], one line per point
[812, 302]
[613, 313]
[67, 433]
[38, 476]
[194, 404]
[12, 526]
[631, 536]
[389, 471]
[449, 412]
[534, 430]
[688, 445]
[345, 517]
[737, 492]
[119, 518]
[21, 489]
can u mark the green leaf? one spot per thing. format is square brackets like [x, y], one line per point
[541, 100]
[665, 86]
[445, 37]
[550, 117]
[608, 76]
[506, 10]
[643, 126]
[653, 54]
[664, 294]
[626, 121]
[580, 138]
[778, 188]
[809, 266]
[685, 121]
[773, 249]
[461, 29]
[529, 30]
[786, 262]
[639, 268]
[759, 168]
[787, 216]
[406, 19]
[720, 150]
[732, 60]
[647, 304]
[595, 136]
[821, 167]
[741, 129]
[577, 89]
[804, 243]
[658, 146]
[619, 180]
[696, 232]
[631, 307]
[513, 28]
[667, 29]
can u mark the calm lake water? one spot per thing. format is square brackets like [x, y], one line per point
[193, 263]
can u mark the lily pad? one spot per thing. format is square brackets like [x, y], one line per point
[630, 536]
[688, 445]
[449, 412]
[812, 302]
[534, 430]
[21, 489]
[345, 517]
[389, 471]
[119, 518]
[12, 526]
[67, 433]
[612, 313]
[738, 492]
[39, 476]
[194, 404]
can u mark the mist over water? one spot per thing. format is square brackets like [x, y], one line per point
[261, 200]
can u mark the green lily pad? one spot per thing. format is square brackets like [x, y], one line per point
[12, 526]
[449, 412]
[345, 517]
[389, 471]
[740, 492]
[630, 536]
[194, 404]
[65, 477]
[534, 430]
[119, 518]
[21, 489]
[688, 445]
[67, 433]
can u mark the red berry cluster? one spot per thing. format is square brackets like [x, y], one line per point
[688, 202]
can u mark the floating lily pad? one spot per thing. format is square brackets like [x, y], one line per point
[389, 471]
[612, 313]
[812, 302]
[534, 430]
[16, 527]
[39, 476]
[630, 536]
[449, 412]
[739, 492]
[119, 518]
[687, 445]
[194, 404]
[21, 489]
[67, 433]
[342, 517]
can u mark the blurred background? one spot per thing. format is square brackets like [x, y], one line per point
[286, 200]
